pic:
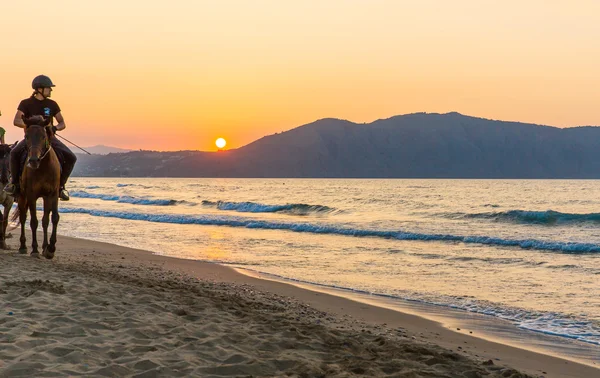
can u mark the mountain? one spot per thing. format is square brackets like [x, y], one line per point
[103, 150]
[420, 145]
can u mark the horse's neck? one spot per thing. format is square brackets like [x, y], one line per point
[46, 161]
[47, 173]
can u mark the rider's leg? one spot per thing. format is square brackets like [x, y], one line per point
[16, 159]
[67, 160]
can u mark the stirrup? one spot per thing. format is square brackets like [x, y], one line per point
[63, 194]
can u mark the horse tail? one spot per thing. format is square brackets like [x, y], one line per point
[16, 217]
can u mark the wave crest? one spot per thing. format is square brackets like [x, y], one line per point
[548, 217]
[253, 207]
[125, 199]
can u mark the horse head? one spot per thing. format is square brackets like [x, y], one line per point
[5, 150]
[37, 139]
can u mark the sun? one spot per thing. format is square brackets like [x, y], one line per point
[220, 142]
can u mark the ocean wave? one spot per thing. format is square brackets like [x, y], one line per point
[531, 244]
[125, 199]
[92, 187]
[252, 207]
[548, 217]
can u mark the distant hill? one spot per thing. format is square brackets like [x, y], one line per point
[419, 145]
[102, 150]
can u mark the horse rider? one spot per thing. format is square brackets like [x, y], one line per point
[40, 104]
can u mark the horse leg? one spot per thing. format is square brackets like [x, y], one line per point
[22, 219]
[45, 223]
[33, 223]
[7, 207]
[55, 218]
[3, 232]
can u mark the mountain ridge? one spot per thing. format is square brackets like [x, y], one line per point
[101, 149]
[416, 145]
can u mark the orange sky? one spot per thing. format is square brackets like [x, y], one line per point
[178, 74]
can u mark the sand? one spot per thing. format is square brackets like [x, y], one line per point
[102, 310]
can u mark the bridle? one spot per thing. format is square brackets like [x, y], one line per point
[47, 146]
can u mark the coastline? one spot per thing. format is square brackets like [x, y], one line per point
[335, 313]
[477, 325]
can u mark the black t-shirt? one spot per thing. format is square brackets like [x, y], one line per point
[32, 106]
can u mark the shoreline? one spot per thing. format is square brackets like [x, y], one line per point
[478, 325]
[345, 314]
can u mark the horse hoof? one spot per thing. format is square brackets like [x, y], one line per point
[35, 255]
[4, 246]
[47, 254]
[22, 251]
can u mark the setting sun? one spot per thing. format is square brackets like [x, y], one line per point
[220, 142]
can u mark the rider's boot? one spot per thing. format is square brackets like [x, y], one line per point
[63, 194]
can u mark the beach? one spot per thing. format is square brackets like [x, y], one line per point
[103, 310]
[302, 189]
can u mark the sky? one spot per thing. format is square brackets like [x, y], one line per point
[178, 74]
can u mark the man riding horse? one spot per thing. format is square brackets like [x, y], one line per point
[40, 104]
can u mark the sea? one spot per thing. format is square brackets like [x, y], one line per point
[523, 251]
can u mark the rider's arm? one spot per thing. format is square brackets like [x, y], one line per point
[61, 122]
[19, 120]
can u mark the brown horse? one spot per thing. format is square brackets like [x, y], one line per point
[40, 178]
[6, 200]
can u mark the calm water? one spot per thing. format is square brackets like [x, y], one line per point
[525, 251]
